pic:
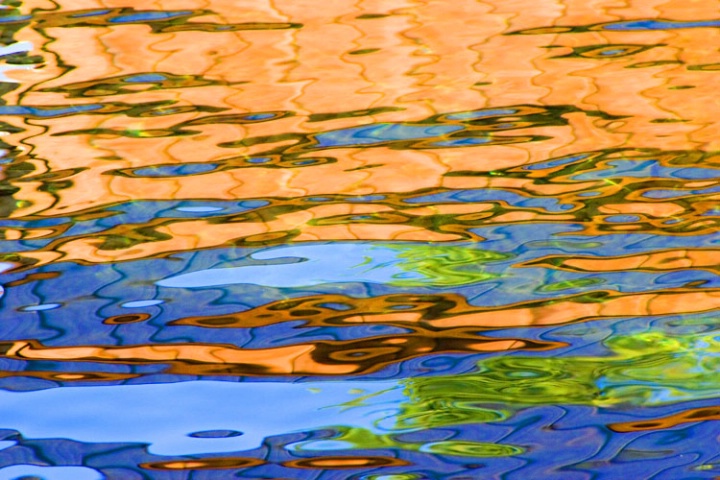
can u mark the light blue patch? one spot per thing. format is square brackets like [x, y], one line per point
[663, 193]
[462, 142]
[622, 218]
[146, 78]
[325, 445]
[141, 303]
[321, 264]
[149, 413]
[17, 47]
[15, 19]
[138, 212]
[47, 112]
[17, 472]
[647, 169]
[260, 116]
[382, 133]
[250, 204]
[179, 170]
[198, 209]
[5, 266]
[556, 162]
[366, 198]
[150, 16]
[487, 195]
[41, 308]
[610, 53]
[660, 25]
[6, 444]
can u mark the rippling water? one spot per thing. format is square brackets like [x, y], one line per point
[369, 240]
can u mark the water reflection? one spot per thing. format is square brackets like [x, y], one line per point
[413, 240]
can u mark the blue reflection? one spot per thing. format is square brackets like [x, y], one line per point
[659, 24]
[47, 112]
[381, 133]
[92, 13]
[647, 169]
[22, 472]
[149, 16]
[556, 162]
[161, 171]
[150, 413]
[146, 78]
[319, 264]
[550, 204]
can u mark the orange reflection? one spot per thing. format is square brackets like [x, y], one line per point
[343, 462]
[420, 59]
[706, 259]
[450, 314]
[701, 414]
[204, 464]
[352, 357]
[437, 325]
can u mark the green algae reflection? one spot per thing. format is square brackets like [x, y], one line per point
[645, 369]
[443, 265]
[649, 368]
[350, 438]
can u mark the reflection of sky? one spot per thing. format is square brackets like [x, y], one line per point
[308, 265]
[320, 264]
[41, 111]
[381, 133]
[20, 472]
[550, 204]
[647, 169]
[561, 439]
[659, 24]
[14, 48]
[663, 193]
[152, 413]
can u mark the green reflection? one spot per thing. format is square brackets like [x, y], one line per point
[646, 369]
[570, 284]
[360, 438]
[471, 449]
[443, 265]
[437, 412]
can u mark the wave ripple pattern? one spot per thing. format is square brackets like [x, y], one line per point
[359, 239]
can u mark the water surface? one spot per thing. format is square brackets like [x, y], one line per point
[369, 240]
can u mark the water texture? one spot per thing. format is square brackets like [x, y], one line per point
[367, 239]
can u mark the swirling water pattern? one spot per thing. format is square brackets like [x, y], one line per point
[374, 239]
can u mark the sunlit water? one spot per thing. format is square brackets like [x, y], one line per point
[367, 239]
